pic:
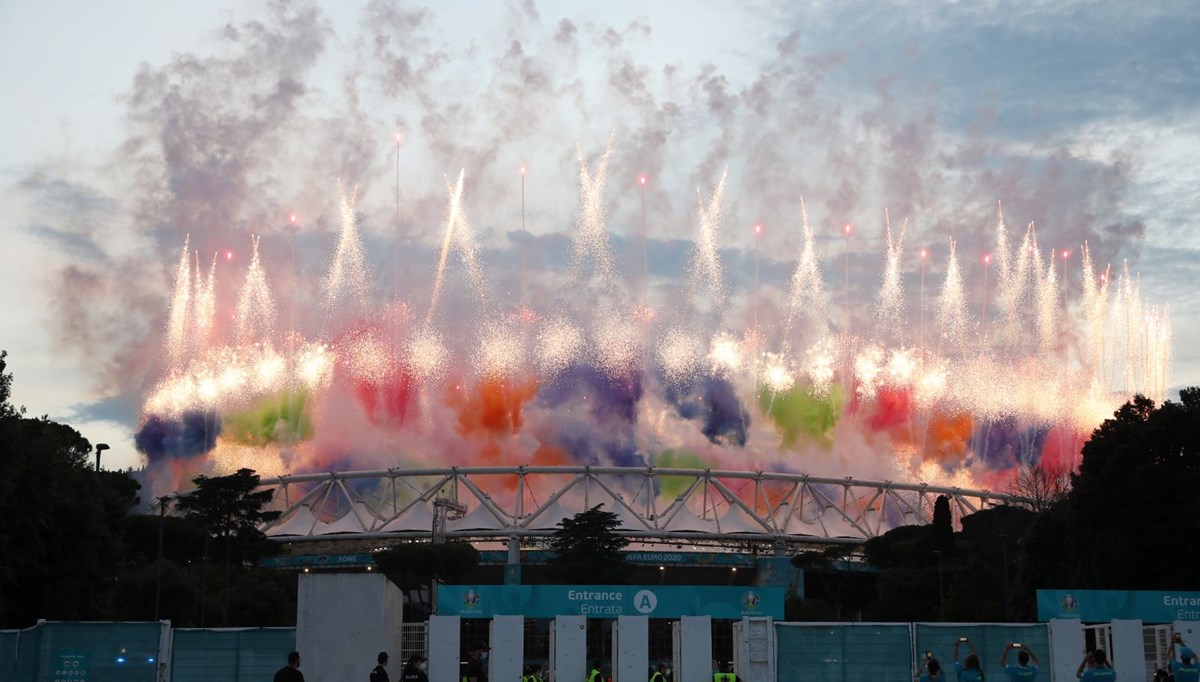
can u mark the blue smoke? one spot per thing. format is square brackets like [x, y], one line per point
[713, 401]
[596, 415]
[193, 433]
[1004, 443]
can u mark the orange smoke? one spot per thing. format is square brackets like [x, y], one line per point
[947, 437]
[493, 407]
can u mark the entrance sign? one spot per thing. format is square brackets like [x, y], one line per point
[609, 601]
[1095, 606]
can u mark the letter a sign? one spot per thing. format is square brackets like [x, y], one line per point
[645, 601]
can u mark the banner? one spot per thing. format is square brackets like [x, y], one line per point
[1097, 606]
[608, 601]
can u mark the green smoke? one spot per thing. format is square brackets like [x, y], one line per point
[801, 412]
[677, 459]
[280, 418]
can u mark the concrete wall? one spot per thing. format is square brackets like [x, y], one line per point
[694, 646]
[445, 648]
[632, 659]
[754, 649]
[568, 657]
[1129, 651]
[507, 657]
[343, 621]
[1066, 648]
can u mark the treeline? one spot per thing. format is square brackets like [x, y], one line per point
[71, 548]
[1128, 519]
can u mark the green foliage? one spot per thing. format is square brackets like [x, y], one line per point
[425, 561]
[231, 508]
[970, 564]
[415, 567]
[59, 545]
[588, 550]
[1134, 503]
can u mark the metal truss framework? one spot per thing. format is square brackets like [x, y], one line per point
[655, 505]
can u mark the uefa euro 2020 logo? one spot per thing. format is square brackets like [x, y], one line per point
[750, 601]
[1069, 603]
[470, 599]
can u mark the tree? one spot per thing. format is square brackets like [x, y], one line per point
[1039, 487]
[1134, 502]
[588, 549]
[415, 567]
[230, 508]
[59, 533]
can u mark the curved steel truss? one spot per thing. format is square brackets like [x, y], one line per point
[655, 505]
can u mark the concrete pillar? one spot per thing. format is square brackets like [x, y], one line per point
[1129, 651]
[632, 662]
[694, 648]
[512, 568]
[568, 659]
[507, 656]
[1066, 648]
[445, 649]
[754, 649]
[343, 621]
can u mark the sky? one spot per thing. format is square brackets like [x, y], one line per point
[127, 126]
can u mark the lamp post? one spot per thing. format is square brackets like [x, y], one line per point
[100, 447]
[162, 515]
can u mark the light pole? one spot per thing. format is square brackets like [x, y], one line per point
[100, 447]
[162, 515]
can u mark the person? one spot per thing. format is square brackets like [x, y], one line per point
[476, 670]
[725, 673]
[968, 670]
[379, 672]
[1095, 668]
[661, 674]
[1186, 668]
[1022, 671]
[932, 670]
[533, 673]
[414, 669]
[594, 675]
[291, 671]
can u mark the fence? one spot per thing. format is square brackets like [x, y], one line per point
[141, 652]
[230, 655]
[880, 652]
[96, 652]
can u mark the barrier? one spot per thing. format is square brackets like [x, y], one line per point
[843, 652]
[98, 652]
[232, 655]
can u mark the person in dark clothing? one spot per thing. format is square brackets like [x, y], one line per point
[414, 670]
[291, 671]
[379, 673]
[476, 669]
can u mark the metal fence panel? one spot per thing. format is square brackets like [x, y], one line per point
[8, 654]
[843, 652]
[229, 655]
[989, 640]
[97, 652]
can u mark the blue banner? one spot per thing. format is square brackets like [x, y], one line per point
[608, 601]
[1096, 606]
